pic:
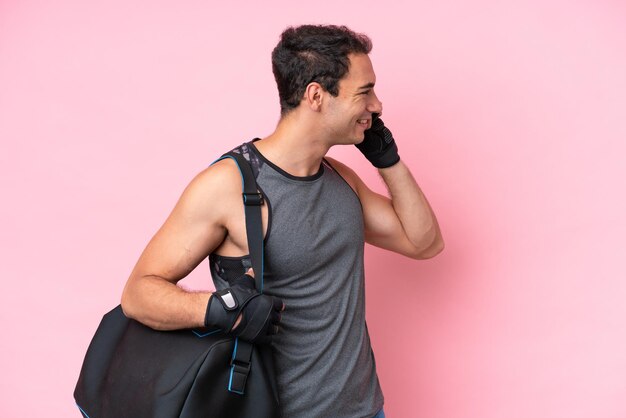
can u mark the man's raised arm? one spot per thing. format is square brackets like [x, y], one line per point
[404, 224]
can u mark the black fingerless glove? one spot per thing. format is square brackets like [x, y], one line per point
[261, 313]
[378, 146]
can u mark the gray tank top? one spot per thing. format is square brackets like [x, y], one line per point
[313, 260]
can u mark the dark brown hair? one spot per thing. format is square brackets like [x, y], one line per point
[311, 53]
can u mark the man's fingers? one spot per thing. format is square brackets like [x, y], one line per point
[250, 272]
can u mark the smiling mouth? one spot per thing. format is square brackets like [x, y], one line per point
[363, 122]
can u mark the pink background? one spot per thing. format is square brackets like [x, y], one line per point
[512, 116]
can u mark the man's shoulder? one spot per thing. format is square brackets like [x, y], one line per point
[344, 171]
[224, 171]
[221, 174]
[219, 182]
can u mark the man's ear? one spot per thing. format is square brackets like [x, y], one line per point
[313, 96]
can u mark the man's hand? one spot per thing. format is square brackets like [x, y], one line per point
[378, 146]
[244, 312]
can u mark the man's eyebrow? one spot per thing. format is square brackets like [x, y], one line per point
[367, 86]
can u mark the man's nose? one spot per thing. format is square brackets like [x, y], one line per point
[375, 105]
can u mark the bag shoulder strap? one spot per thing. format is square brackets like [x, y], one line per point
[252, 200]
[240, 362]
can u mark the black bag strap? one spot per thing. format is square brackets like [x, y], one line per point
[252, 200]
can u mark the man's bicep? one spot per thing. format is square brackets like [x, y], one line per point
[194, 228]
[382, 225]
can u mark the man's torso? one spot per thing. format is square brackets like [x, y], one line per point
[314, 262]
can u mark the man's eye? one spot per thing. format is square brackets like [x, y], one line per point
[366, 92]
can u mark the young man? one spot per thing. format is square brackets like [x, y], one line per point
[316, 217]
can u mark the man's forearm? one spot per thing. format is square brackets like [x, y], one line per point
[162, 305]
[413, 210]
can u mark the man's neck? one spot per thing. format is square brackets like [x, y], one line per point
[295, 146]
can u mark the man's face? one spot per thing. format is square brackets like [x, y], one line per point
[350, 113]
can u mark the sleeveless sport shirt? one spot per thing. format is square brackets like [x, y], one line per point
[313, 261]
